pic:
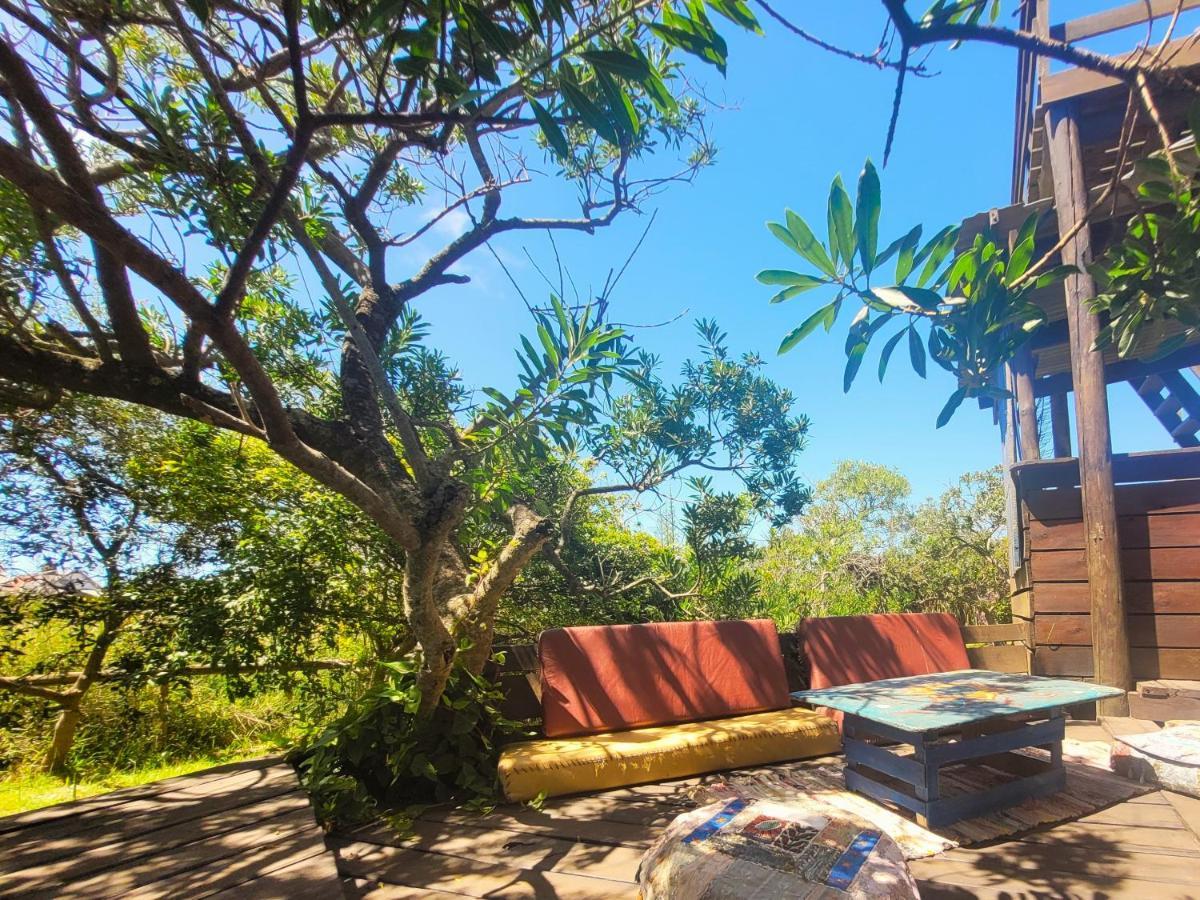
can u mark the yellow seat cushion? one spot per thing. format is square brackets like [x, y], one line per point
[600, 761]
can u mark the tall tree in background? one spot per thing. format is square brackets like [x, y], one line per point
[168, 168]
[862, 546]
[68, 505]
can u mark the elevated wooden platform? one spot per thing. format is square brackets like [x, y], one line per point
[246, 831]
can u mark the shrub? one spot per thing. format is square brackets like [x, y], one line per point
[378, 756]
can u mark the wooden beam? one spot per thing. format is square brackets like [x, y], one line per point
[1128, 468]
[1121, 370]
[1012, 507]
[1075, 82]
[1023, 367]
[1110, 636]
[1115, 19]
[1060, 425]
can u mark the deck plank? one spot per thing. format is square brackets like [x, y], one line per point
[238, 869]
[363, 889]
[92, 847]
[241, 831]
[472, 878]
[313, 878]
[522, 850]
[205, 781]
[59, 837]
[153, 849]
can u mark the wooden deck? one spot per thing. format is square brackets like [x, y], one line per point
[246, 831]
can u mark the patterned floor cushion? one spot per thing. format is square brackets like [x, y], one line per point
[1169, 758]
[739, 849]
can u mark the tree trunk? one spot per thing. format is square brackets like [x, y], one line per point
[424, 618]
[68, 720]
[64, 737]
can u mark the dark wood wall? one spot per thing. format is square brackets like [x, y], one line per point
[1159, 527]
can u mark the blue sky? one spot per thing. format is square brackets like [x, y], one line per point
[791, 117]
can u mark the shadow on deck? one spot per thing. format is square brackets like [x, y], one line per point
[246, 831]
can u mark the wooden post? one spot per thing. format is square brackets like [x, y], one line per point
[1060, 425]
[1110, 638]
[1023, 365]
[1022, 370]
[1007, 417]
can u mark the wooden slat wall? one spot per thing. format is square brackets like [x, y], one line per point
[1159, 524]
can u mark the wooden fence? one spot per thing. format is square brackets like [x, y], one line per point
[1159, 528]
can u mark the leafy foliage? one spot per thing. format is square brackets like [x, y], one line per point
[380, 755]
[1148, 280]
[973, 305]
[862, 546]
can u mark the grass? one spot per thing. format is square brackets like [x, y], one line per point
[21, 793]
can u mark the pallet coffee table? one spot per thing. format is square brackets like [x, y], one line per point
[968, 717]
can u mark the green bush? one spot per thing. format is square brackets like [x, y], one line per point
[379, 757]
[136, 727]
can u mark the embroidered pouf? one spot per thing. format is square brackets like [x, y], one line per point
[740, 849]
[1169, 758]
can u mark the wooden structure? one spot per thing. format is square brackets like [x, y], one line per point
[1105, 564]
[243, 831]
[926, 712]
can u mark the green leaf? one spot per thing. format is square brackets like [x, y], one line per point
[548, 344]
[904, 297]
[737, 12]
[886, 356]
[783, 235]
[952, 404]
[789, 292]
[866, 215]
[906, 246]
[1054, 275]
[619, 63]
[1022, 252]
[591, 114]
[841, 222]
[620, 108]
[854, 358]
[806, 244]
[807, 327]
[916, 351]
[554, 135]
[934, 252]
[496, 37]
[783, 276]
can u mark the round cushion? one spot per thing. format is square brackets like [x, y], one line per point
[760, 848]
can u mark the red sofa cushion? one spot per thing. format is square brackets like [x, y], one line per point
[853, 649]
[615, 677]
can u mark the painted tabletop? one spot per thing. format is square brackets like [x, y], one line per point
[947, 699]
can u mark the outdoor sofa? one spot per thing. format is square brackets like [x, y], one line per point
[628, 704]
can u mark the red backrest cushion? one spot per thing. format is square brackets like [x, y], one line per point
[853, 649]
[615, 677]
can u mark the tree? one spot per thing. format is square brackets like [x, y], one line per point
[196, 158]
[861, 547]
[66, 503]
[833, 560]
[955, 557]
